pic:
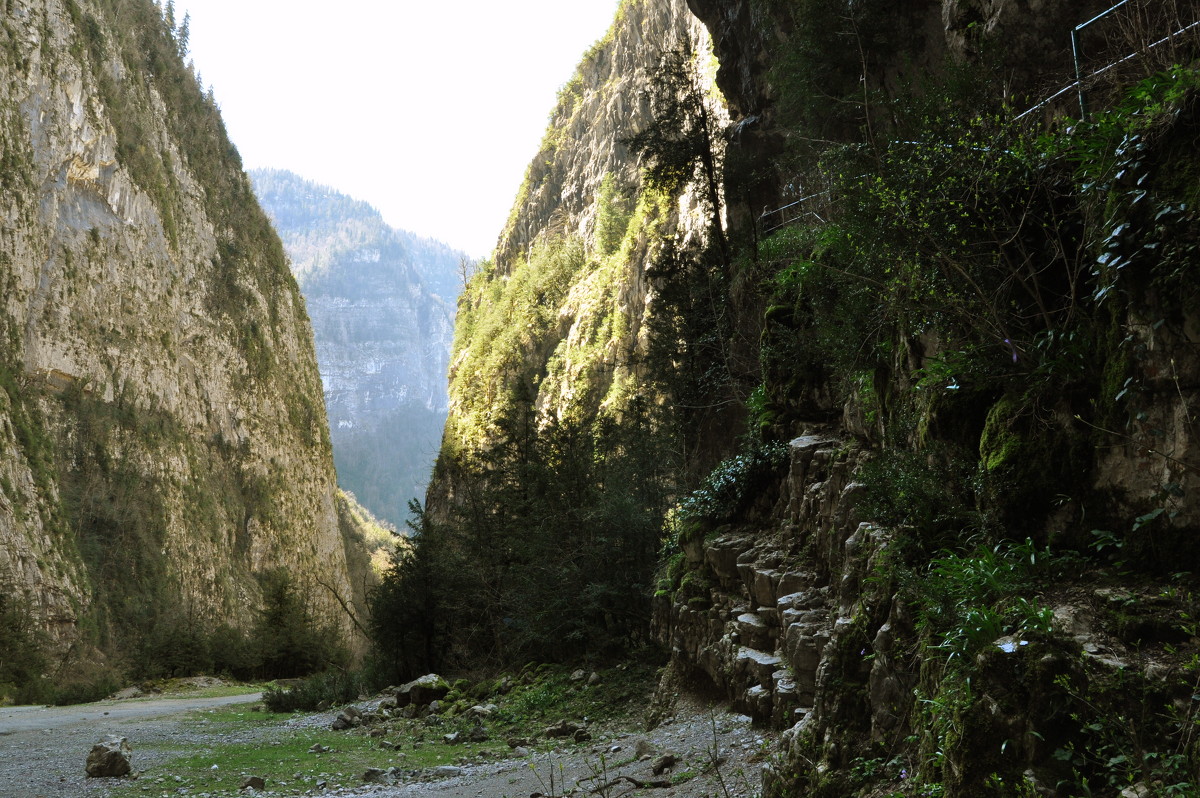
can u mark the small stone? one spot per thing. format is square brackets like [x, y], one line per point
[644, 748]
[447, 771]
[664, 762]
[373, 776]
[253, 783]
[520, 751]
[579, 675]
[594, 679]
[452, 738]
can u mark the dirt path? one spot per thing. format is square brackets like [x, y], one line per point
[43, 749]
[42, 753]
[614, 764]
[692, 737]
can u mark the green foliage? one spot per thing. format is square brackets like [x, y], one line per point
[546, 553]
[331, 687]
[502, 331]
[930, 492]
[291, 638]
[967, 601]
[613, 214]
[682, 144]
[22, 660]
[818, 69]
[735, 482]
[409, 621]
[547, 693]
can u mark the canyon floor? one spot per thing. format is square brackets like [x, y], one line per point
[717, 754]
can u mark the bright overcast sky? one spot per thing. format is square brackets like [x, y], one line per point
[430, 110]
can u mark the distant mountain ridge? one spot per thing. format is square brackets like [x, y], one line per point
[381, 302]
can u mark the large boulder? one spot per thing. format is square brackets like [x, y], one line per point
[422, 691]
[109, 758]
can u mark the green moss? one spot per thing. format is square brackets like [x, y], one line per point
[1001, 444]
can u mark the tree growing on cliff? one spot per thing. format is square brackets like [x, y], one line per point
[682, 142]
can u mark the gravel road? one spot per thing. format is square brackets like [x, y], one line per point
[43, 749]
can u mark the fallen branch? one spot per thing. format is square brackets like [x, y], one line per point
[637, 783]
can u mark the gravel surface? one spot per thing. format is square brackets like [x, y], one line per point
[42, 752]
[43, 749]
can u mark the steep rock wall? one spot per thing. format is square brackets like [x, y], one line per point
[164, 432]
[807, 615]
[584, 352]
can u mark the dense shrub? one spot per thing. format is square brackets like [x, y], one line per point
[328, 688]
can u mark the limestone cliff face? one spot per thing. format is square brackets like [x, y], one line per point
[583, 235]
[381, 303]
[163, 433]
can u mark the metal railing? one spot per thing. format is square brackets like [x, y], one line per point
[788, 213]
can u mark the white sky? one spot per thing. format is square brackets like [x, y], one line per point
[430, 110]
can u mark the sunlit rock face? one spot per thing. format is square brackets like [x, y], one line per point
[163, 441]
[382, 307]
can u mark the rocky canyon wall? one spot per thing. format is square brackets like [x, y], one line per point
[164, 435]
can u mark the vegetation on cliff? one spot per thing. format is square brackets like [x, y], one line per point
[167, 477]
[993, 314]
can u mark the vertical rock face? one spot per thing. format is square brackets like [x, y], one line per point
[162, 431]
[381, 303]
[584, 232]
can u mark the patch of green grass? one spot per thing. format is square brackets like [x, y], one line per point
[165, 688]
[553, 696]
[240, 742]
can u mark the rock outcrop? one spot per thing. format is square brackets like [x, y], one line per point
[163, 439]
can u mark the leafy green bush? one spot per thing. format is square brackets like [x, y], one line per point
[967, 601]
[22, 661]
[333, 687]
[734, 483]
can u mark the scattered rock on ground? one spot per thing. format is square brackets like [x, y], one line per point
[253, 783]
[564, 728]
[109, 758]
[422, 691]
[348, 718]
[663, 763]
